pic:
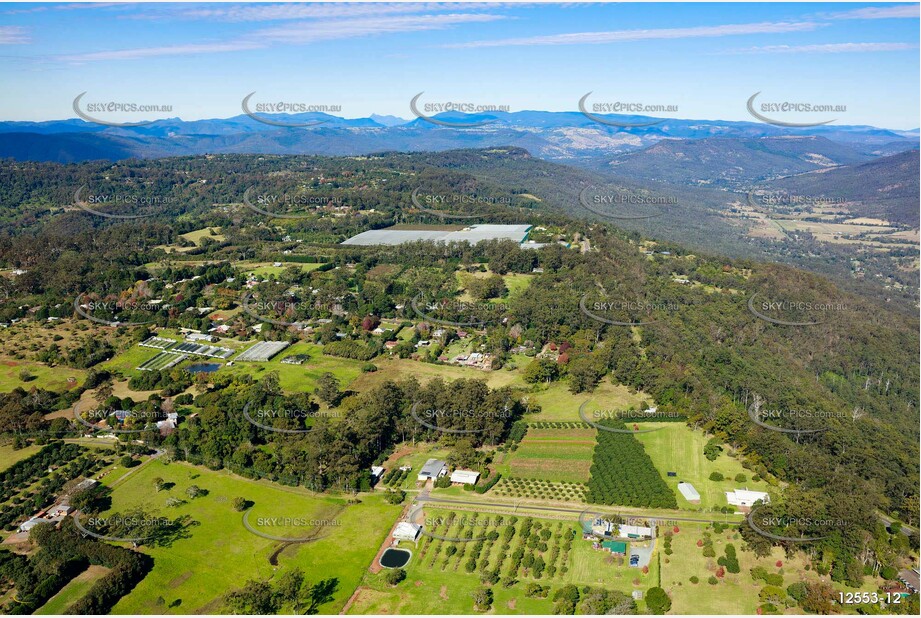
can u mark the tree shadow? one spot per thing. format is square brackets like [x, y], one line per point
[322, 592]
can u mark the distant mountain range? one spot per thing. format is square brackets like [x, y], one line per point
[558, 136]
[885, 188]
[734, 162]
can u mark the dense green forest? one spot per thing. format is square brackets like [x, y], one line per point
[695, 347]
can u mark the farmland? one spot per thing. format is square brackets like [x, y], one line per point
[450, 571]
[622, 472]
[677, 447]
[184, 575]
[74, 590]
[561, 455]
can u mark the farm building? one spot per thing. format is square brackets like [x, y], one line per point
[602, 527]
[263, 351]
[376, 473]
[433, 469]
[406, 531]
[690, 494]
[472, 235]
[625, 531]
[465, 477]
[746, 498]
[615, 547]
[28, 525]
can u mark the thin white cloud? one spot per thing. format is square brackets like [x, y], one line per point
[300, 33]
[13, 35]
[826, 48]
[166, 50]
[69, 7]
[880, 12]
[295, 11]
[312, 31]
[622, 36]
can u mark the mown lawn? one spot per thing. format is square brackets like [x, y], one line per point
[194, 574]
[416, 457]
[41, 375]
[559, 404]
[301, 378]
[678, 448]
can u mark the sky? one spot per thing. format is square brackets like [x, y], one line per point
[706, 60]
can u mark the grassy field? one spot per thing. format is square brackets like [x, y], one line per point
[194, 574]
[127, 362]
[397, 368]
[205, 232]
[301, 378]
[72, 592]
[559, 404]
[43, 376]
[563, 455]
[268, 269]
[9, 456]
[678, 448]
[735, 593]
[414, 456]
[440, 583]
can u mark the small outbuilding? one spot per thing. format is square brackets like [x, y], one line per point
[745, 498]
[465, 477]
[433, 469]
[690, 494]
[406, 531]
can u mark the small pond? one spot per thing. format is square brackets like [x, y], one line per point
[203, 367]
[395, 558]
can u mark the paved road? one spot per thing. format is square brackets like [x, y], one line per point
[906, 529]
[568, 511]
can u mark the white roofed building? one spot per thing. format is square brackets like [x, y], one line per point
[690, 494]
[465, 477]
[625, 531]
[746, 498]
[406, 531]
[433, 469]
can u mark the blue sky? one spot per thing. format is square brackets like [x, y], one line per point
[706, 59]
